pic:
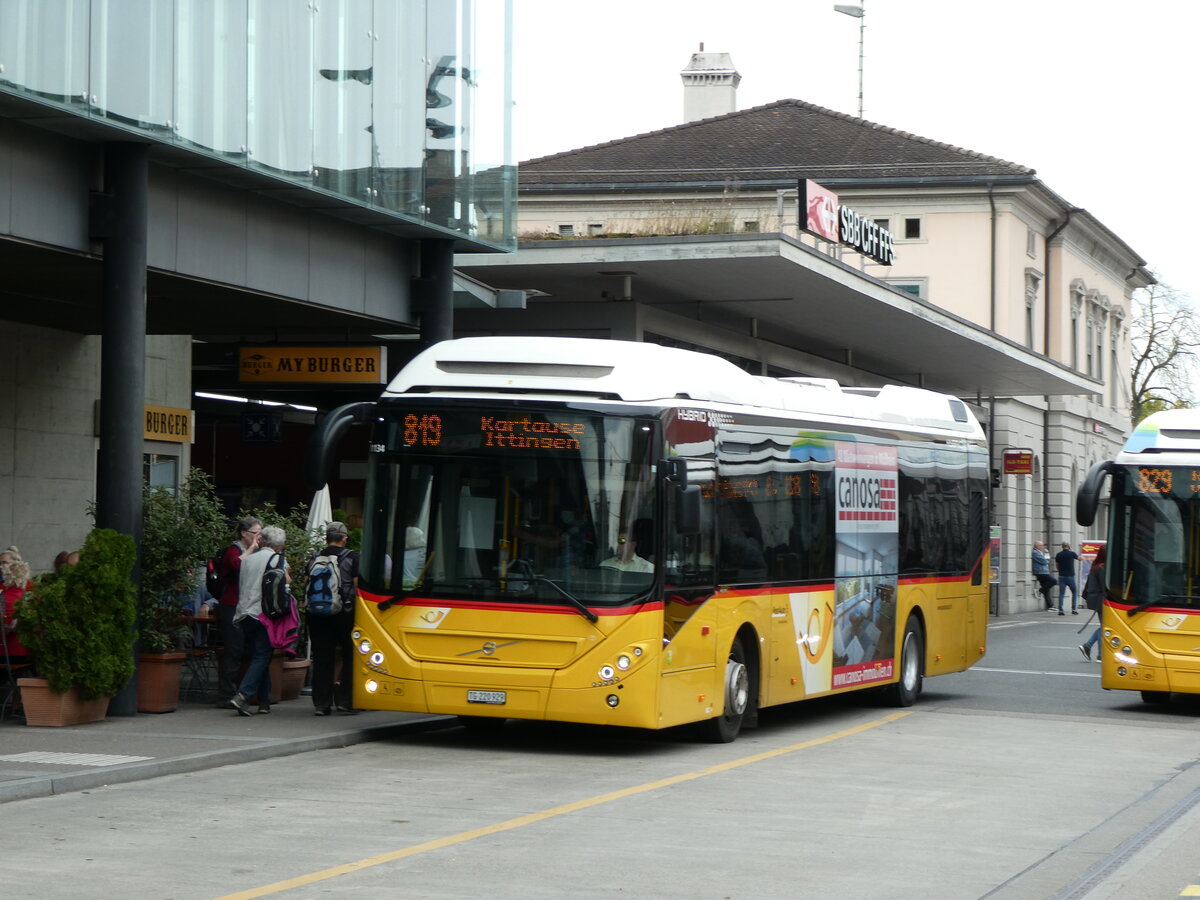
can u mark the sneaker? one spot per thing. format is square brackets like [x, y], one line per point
[1061, 613]
[239, 703]
[322, 711]
[1086, 651]
[347, 710]
[1074, 612]
[264, 710]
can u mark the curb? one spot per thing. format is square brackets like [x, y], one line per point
[68, 782]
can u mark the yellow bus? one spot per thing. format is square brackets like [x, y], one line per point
[628, 534]
[1150, 638]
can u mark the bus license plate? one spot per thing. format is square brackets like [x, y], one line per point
[495, 698]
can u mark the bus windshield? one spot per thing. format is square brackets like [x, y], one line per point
[1156, 523]
[510, 504]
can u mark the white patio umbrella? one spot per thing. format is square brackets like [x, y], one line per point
[320, 513]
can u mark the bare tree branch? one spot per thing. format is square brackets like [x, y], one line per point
[1164, 334]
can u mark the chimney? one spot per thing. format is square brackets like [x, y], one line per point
[709, 86]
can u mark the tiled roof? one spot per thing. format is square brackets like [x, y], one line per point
[784, 140]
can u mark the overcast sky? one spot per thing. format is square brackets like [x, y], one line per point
[1099, 96]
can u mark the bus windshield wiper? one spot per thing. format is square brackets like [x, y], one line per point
[1165, 599]
[523, 570]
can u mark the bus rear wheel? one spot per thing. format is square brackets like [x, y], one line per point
[1156, 697]
[738, 693]
[912, 658]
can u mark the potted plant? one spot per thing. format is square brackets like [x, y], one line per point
[78, 627]
[179, 530]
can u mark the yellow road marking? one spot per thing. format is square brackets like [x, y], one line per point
[532, 818]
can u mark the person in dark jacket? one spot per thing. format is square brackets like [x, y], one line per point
[1065, 559]
[331, 635]
[1093, 597]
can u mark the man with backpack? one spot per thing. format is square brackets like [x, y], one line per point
[329, 602]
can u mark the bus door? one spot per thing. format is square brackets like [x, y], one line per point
[688, 655]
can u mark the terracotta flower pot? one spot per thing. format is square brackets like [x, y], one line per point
[46, 707]
[159, 675]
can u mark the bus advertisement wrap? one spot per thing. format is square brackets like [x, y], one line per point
[867, 556]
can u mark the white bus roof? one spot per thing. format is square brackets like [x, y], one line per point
[1165, 432]
[651, 374]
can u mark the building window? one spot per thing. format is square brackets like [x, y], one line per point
[595, 230]
[918, 287]
[1077, 292]
[1091, 343]
[912, 229]
[1033, 281]
[161, 471]
[885, 224]
[566, 231]
[750, 226]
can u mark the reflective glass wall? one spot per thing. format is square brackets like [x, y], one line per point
[400, 105]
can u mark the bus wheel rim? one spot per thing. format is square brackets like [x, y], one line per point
[737, 688]
[908, 663]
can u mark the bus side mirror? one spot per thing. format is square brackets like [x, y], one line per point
[687, 509]
[687, 496]
[1088, 497]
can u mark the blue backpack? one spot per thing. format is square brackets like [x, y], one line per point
[323, 595]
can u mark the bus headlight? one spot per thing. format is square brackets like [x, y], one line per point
[371, 685]
[1114, 641]
[612, 700]
[606, 673]
[364, 646]
[376, 658]
[623, 662]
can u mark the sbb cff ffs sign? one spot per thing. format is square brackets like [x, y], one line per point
[1018, 462]
[833, 221]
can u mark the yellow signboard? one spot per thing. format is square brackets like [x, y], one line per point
[165, 423]
[329, 365]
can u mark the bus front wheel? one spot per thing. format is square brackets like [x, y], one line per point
[1155, 696]
[912, 662]
[738, 692]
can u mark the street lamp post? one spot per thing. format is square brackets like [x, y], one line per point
[859, 12]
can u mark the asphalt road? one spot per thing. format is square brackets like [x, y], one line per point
[1018, 779]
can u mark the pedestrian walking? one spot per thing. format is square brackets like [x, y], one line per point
[257, 679]
[1040, 559]
[333, 570]
[1065, 560]
[1093, 598]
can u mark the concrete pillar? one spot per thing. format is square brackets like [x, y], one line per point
[433, 291]
[120, 221]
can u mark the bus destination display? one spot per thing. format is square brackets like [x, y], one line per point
[521, 432]
[1162, 480]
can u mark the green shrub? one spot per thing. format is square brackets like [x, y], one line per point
[78, 624]
[180, 529]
